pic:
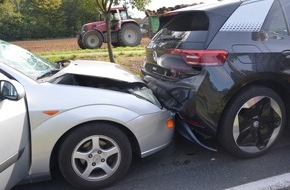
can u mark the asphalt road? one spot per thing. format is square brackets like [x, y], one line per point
[184, 165]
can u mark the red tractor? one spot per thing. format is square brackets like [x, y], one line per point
[124, 31]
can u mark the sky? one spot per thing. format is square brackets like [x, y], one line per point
[156, 4]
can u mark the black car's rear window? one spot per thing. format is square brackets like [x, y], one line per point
[185, 30]
[193, 27]
[186, 21]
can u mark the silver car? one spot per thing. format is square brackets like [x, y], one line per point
[86, 118]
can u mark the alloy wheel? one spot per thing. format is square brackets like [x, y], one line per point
[257, 124]
[96, 158]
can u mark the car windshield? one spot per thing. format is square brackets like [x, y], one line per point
[25, 62]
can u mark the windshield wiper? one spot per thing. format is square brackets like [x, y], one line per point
[49, 73]
[62, 63]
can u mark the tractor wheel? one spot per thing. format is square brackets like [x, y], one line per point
[129, 35]
[92, 39]
[80, 42]
[116, 44]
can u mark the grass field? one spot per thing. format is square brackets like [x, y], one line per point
[130, 58]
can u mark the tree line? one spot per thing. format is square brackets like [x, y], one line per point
[38, 19]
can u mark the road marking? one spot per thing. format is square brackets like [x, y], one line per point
[271, 183]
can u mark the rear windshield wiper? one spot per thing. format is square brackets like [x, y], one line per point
[167, 37]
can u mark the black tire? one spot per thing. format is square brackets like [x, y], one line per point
[92, 39]
[129, 35]
[95, 155]
[252, 122]
[80, 42]
[115, 44]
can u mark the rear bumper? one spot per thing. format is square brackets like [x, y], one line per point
[199, 98]
[178, 96]
[181, 97]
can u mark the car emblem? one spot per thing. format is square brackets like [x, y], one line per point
[155, 56]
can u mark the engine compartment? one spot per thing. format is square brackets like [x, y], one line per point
[98, 82]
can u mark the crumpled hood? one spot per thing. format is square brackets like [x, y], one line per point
[99, 69]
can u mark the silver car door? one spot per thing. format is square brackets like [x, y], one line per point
[14, 133]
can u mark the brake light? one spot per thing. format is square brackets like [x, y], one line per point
[201, 57]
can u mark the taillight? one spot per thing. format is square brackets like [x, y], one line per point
[201, 57]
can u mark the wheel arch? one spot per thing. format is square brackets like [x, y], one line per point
[97, 30]
[131, 22]
[272, 81]
[133, 141]
[103, 35]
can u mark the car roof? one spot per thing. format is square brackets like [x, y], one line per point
[220, 7]
[208, 6]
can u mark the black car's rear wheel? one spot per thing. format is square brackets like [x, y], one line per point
[252, 122]
[94, 155]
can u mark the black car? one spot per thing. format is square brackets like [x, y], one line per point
[224, 68]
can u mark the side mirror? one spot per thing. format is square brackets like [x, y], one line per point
[11, 90]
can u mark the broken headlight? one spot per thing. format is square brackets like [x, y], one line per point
[147, 94]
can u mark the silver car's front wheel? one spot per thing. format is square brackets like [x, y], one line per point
[252, 122]
[96, 158]
[94, 155]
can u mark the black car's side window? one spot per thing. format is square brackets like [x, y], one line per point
[275, 24]
[286, 7]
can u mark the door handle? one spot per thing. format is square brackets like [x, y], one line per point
[286, 53]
